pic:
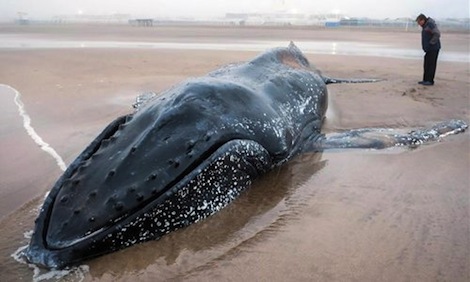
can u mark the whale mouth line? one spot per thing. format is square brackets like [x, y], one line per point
[184, 177]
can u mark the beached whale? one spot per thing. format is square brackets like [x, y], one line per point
[188, 152]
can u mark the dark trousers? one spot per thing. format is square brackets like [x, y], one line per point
[430, 63]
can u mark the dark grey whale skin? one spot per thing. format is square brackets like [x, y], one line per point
[181, 157]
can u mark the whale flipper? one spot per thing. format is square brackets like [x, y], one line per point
[381, 138]
[330, 80]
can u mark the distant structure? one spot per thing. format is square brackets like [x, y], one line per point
[22, 18]
[285, 19]
[141, 22]
[282, 14]
[115, 18]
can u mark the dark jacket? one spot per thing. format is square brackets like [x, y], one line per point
[430, 36]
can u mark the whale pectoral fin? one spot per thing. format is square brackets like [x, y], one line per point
[330, 80]
[380, 138]
[143, 99]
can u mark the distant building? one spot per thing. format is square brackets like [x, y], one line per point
[88, 18]
[349, 22]
[141, 22]
[22, 18]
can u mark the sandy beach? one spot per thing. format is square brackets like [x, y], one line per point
[358, 215]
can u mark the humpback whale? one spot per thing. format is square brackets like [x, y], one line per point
[188, 152]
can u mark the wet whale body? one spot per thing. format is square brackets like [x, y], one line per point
[189, 152]
[180, 157]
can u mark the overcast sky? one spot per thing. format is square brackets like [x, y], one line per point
[38, 9]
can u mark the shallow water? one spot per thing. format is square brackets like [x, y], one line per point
[308, 47]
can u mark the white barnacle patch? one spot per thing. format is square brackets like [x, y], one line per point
[203, 206]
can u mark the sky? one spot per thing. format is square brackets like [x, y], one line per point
[380, 9]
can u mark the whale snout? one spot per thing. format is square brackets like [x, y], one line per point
[212, 185]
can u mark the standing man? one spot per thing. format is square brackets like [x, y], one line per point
[430, 35]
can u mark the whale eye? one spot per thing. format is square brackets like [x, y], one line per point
[133, 149]
[64, 199]
[111, 172]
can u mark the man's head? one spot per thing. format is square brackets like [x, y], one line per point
[421, 19]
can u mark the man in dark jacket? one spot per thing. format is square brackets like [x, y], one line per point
[430, 35]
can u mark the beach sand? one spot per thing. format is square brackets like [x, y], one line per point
[358, 215]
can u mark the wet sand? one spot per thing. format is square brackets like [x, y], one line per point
[392, 215]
